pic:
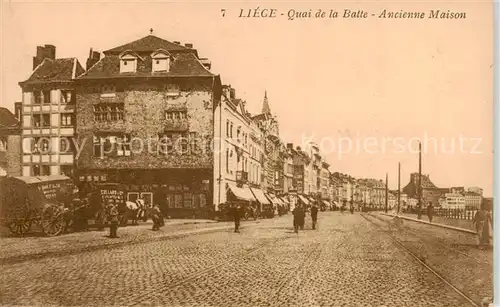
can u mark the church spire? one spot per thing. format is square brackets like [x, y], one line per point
[265, 106]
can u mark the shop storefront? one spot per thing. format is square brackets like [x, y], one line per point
[179, 193]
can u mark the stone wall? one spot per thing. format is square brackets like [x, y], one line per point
[144, 121]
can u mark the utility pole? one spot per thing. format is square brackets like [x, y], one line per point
[386, 191]
[399, 186]
[419, 180]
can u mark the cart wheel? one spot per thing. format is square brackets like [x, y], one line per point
[53, 222]
[20, 226]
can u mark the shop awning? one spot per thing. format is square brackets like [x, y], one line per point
[285, 201]
[259, 195]
[280, 201]
[304, 200]
[273, 199]
[242, 193]
[336, 203]
[326, 203]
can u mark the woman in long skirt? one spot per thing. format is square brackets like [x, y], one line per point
[483, 222]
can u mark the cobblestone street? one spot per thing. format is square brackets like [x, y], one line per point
[351, 260]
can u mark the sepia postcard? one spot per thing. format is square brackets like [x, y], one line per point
[247, 153]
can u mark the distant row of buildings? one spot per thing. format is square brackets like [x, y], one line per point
[373, 193]
[149, 120]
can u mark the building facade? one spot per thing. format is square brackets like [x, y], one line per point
[239, 153]
[454, 201]
[473, 200]
[48, 115]
[325, 193]
[145, 119]
[272, 146]
[10, 144]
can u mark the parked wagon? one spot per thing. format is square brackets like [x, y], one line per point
[41, 200]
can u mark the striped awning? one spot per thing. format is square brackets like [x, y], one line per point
[326, 203]
[259, 195]
[304, 200]
[242, 193]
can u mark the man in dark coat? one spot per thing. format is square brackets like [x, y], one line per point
[236, 212]
[314, 215]
[430, 209]
[297, 217]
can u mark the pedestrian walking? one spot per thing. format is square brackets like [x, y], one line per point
[157, 217]
[236, 212]
[113, 219]
[302, 217]
[430, 211]
[483, 222]
[314, 216]
[298, 213]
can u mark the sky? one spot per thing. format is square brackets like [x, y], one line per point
[367, 82]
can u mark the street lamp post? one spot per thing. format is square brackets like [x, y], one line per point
[399, 186]
[386, 191]
[419, 180]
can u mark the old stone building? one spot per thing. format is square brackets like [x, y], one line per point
[47, 114]
[10, 144]
[146, 125]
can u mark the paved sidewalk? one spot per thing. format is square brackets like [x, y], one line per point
[465, 224]
[438, 222]
[36, 246]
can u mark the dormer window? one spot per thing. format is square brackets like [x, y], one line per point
[161, 61]
[128, 62]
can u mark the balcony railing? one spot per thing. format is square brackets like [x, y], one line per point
[241, 177]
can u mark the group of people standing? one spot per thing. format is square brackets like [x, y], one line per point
[136, 212]
[299, 217]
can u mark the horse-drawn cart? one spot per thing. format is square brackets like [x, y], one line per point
[40, 200]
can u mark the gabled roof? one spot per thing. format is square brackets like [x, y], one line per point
[183, 65]
[148, 43]
[58, 70]
[7, 119]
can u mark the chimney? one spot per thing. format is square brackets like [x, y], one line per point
[188, 45]
[50, 52]
[206, 63]
[232, 93]
[176, 42]
[44, 52]
[94, 57]
[289, 146]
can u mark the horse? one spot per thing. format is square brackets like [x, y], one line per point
[135, 210]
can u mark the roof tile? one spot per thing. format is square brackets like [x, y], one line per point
[148, 43]
[54, 70]
[184, 64]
